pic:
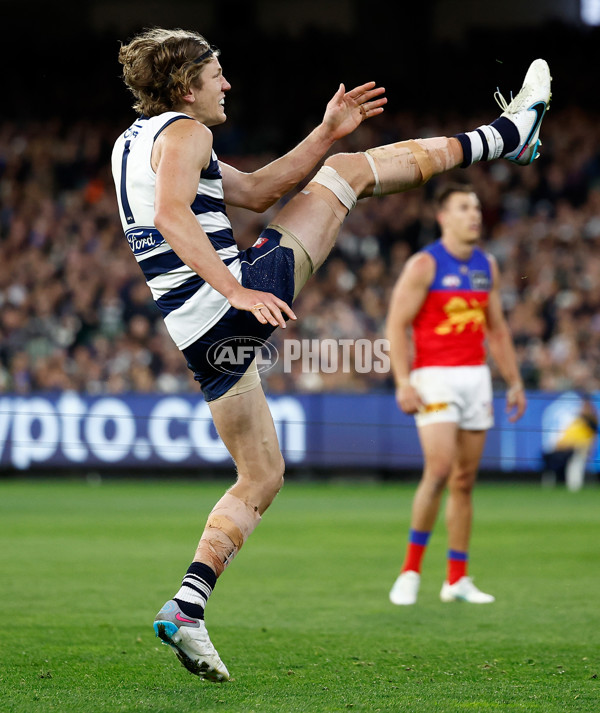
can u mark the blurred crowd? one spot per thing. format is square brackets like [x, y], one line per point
[75, 312]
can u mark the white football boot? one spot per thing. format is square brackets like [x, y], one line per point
[464, 591]
[190, 641]
[527, 110]
[406, 588]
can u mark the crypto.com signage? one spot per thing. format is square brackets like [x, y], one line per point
[71, 429]
[348, 431]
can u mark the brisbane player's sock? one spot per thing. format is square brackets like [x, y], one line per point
[457, 565]
[417, 544]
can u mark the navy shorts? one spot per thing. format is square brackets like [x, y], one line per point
[267, 267]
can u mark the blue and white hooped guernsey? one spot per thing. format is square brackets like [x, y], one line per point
[190, 306]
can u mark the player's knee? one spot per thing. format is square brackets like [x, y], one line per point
[436, 477]
[262, 484]
[342, 180]
[352, 168]
[275, 480]
[270, 486]
[438, 483]
[333, 184]
[462, 482]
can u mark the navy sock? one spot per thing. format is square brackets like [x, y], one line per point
[465, 142]
[509, 133]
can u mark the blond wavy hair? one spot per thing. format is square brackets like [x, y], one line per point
[159, 66]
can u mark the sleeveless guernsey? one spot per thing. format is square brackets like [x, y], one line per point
[449, 329]
[190, 306]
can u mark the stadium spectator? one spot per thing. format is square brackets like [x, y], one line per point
[542, 225]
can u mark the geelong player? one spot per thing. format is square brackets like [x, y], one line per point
[172, 193]
[448, 294]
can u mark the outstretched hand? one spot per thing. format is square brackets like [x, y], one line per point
[266, 307]
[347, 110]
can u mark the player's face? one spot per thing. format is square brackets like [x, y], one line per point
[209, 104]
[461, 217]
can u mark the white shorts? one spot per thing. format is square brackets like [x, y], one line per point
[456, 394]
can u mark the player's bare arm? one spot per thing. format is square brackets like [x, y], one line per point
[180, 153]
[502, 349]
[260, 189]
[407, 299]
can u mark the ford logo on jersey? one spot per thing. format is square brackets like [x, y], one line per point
[144, 239]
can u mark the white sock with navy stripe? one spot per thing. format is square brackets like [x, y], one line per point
[196, 588]
[489, 141]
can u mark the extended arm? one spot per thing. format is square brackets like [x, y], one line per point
[503, 351]
[180, 153]
[262, 188]
[407, 299]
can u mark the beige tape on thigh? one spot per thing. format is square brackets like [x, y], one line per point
[393, 168]
[303, 264]
[229, 525]
[250, 380]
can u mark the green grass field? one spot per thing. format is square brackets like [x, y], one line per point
[302, 617]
